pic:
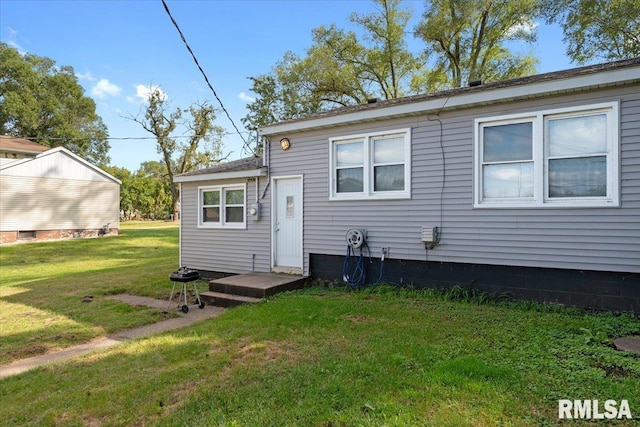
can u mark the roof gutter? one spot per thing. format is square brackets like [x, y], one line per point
[471, 98]
[253, 173]
[69, 153]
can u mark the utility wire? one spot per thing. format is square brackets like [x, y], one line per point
[184, 40]
[118, 138]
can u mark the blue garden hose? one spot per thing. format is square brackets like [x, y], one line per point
[355, 274]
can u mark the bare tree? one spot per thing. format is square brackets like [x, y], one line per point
[203, 139]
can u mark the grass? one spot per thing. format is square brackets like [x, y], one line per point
[127, 225]
[52, 294]
[321, 357]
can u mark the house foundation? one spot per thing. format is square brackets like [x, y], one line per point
[24, 236]
[596, 290]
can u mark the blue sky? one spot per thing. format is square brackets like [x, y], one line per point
[118, 47]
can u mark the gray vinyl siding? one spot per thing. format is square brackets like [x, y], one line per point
[56, 191]
[225, 250]
[38, 203]
[605, 239]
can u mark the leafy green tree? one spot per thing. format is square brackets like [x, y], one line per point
[144, 194]
[281, 95]
[339, 69]
[153, 192]
[45, 103]
[267, 106]
[201, 145]
[387, 63]
[468, 38]
[597, 29]
[127, 192]
[464, 40]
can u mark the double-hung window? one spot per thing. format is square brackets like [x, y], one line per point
[371, 166]
[222, 206]
[564, 157]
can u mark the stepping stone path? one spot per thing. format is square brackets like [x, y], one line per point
[631, 344]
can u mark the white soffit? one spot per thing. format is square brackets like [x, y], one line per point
[253, 173]
[465, 100]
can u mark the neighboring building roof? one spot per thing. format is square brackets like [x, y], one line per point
[566, 81]
[20, 145]
[19, 164]
[243, 168]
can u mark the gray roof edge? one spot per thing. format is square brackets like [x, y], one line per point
[68, 153]
[579, 79]
[23, 150]
[217, 176]
[242, 168]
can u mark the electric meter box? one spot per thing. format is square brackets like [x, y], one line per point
[254, 211]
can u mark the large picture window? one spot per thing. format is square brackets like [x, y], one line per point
[222, 206]
[566, 157]
[371, 166]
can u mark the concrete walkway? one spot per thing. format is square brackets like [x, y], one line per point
[194, 315]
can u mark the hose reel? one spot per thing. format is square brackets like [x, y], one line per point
[356, 237]
[355, 274]
[353, 269]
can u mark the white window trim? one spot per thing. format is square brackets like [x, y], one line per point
[222, 224]
[369, 193]
[540, 197]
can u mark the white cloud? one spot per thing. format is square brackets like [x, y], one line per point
[13, 41]
[144, 92]
[86, 76]
[246, 98]
[105, 88]
[527, 27]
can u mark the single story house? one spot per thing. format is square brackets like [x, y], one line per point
[12, 148]
[528, 187]
[56, 195]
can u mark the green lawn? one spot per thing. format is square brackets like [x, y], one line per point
[316, 357]
[52, 293]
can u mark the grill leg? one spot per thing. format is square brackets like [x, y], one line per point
[198, 300]
[182, 296]
[184, 292]
[173, 290]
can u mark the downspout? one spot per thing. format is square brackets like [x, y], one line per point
[257, 189]
[266, 160]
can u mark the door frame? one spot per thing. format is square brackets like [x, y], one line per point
[274, 189]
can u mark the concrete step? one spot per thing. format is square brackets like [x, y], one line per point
[220, 299]
[256, 285]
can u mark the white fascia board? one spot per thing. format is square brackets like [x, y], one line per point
[79, 160]
[15, 162]
[68, 153]
[465, 100]
[253, 173]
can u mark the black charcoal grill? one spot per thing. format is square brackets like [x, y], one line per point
[184, 275]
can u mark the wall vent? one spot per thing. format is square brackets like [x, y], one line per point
[430, 236]
[26, 235]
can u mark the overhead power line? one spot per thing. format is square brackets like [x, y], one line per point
[206, 79]
[121, 138]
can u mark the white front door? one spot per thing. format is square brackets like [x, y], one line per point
[287, 223]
